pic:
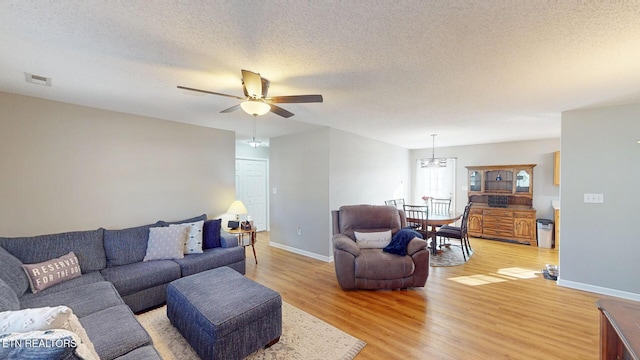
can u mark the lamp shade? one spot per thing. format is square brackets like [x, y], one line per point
[255, 107]
[237, 208]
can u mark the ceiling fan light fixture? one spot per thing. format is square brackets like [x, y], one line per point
[255, 107]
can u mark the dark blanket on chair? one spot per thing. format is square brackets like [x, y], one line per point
[400, 240]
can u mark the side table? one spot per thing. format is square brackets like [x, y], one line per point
[252, 239]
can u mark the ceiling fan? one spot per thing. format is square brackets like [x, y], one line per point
[255, 98]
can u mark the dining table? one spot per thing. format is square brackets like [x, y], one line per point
[437, 220]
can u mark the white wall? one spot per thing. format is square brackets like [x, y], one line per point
[66, 167]
[318, 171]
[299, 173]
[366, 171]
[600, 154]
[539, 152]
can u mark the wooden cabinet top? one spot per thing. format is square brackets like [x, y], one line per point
[500, 167]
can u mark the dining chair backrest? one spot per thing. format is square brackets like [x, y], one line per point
[465, 218]
[399, 203]
[440, 206]
[417, 216]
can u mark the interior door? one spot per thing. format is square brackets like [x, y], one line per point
[251, 188]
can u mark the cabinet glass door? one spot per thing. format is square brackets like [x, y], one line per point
[523, 182]
[498, 181]
[475, 180]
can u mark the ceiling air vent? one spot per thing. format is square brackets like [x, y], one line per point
[37, 79]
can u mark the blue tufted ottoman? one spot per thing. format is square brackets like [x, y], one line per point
[224, 315]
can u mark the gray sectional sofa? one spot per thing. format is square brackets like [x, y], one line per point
[114, 284]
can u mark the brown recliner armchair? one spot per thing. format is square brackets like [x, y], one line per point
[372, 268]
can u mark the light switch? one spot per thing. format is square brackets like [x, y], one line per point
[275, 190]
[593, 198]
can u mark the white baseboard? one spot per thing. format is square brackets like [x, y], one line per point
[301, 252]
[599, 290]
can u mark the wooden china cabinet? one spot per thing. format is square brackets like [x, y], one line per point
[502, 197]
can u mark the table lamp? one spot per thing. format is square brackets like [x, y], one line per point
[237, 208]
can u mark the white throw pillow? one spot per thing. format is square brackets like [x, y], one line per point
[193, 245]
[48, 318]
[373, 240]
[166, 243]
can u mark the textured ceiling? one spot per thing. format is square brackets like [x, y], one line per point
[397, 71]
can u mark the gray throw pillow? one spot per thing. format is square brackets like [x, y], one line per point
[52, 272]
[166, 243]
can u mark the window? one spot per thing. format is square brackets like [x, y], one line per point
[438, 182]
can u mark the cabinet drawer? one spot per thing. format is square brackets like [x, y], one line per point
[524, 214]
[498, 213]
[498, 227]
[494, 220]
[498, 232]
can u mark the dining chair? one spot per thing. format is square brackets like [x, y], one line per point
[417, 219]
[460, 233]
[399, 203]
[440, 205]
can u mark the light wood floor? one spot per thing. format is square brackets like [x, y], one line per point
[496, 306]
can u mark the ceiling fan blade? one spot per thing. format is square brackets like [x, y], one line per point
[210, 92]
[252, 83]
[280, 111]
[265, 87]
[231, 109]
[295, 99]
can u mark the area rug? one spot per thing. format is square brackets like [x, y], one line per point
[450, 256]
[304, 337]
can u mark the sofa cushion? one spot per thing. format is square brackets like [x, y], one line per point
[375, 264]
[166, 243]
[368, 218]
[12, 274]
[87, 278]
[8, 298]
[135, 277]
[211, 234]
[83, 300]
[52, 272]
[202, 217]
[115, 331]
[126, 246]
[210, 259]
[142, 353]
[87, 245]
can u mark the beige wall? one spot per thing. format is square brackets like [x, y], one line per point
[318, 171]
[65, 167]
[600, 155]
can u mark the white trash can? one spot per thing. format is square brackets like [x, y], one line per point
[545, 233]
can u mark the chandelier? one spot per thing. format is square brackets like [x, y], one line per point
[433, 162]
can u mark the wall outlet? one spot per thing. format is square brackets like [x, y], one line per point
[275, 191]
[593, 198]
[299, 230]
